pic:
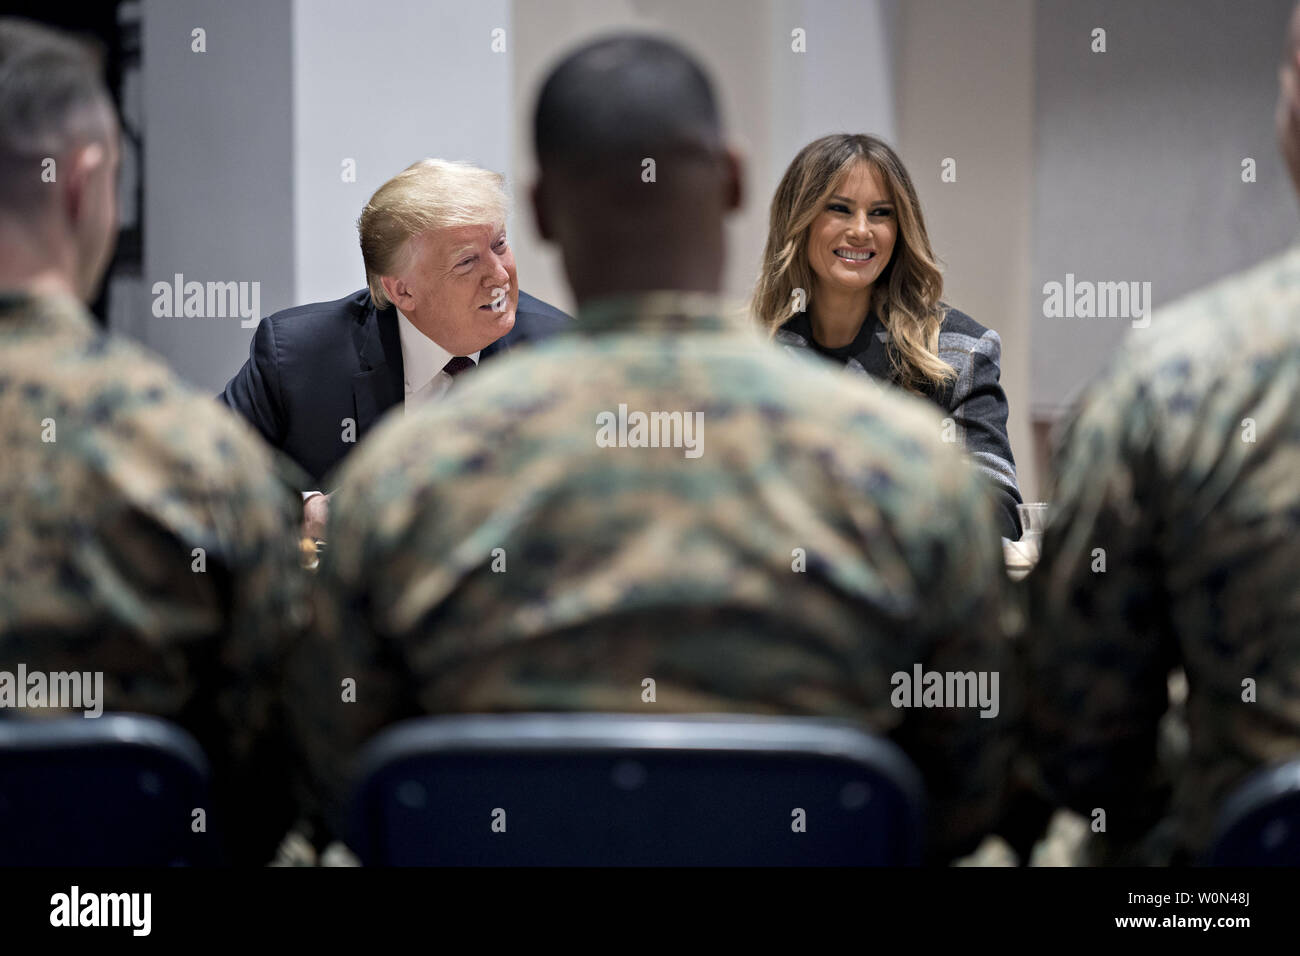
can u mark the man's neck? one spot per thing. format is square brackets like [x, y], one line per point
[633, 274]
[25, 266]
[415, 324]
[38, 286]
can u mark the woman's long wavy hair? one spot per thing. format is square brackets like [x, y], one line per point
[906, 296]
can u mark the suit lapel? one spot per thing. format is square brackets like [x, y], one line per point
[378, 386]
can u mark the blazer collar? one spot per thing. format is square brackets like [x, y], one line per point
[380, 383]
[377, 387]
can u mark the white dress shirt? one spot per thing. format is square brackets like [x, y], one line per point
[423, 360]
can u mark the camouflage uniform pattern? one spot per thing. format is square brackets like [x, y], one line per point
[1200, 528]
[627, 563]
[97, 531]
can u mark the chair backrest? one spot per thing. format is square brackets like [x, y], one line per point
[1259, 824]
[623, 789]
[114, 790]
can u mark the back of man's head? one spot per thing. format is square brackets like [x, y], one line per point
[624, 97]
[634, 173]
[1288, 98]
[58, 155]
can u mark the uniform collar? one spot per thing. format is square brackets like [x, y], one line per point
[45, 313]
[665, 311]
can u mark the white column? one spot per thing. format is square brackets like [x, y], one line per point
[384, 84]
[217, 170]
[965, 92]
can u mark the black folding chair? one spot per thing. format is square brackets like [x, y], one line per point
[624, 789]
[115, 790]
[1259, 824]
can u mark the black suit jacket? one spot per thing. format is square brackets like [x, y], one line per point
[312, 366]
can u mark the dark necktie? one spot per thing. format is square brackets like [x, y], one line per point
[457, 365]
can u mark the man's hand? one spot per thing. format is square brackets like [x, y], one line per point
[315, 514]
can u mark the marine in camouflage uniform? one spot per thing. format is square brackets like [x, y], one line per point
[487, 554]
[111, 475]
[1182, 472]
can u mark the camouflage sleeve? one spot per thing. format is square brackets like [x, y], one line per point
[1099, 641]
[215, 597]
[963, 751]
[268, 612]
[347, 682]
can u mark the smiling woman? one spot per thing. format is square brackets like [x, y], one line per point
[848, 273]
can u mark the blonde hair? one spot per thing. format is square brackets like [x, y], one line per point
[906, 296]
[428, 195]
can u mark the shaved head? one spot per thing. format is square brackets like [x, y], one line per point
[58, 162]
[634, 175]
[621, 98]
[51, 100]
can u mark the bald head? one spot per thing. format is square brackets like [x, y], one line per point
[634, 174]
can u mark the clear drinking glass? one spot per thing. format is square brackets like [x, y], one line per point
[1033, 519]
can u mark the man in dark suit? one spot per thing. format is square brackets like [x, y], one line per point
[442, 296]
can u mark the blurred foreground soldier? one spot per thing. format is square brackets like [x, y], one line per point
[143, 533]
[659, 492]
[1175, 541]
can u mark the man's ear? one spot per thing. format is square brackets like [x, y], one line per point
[395, 289]
[537, 198]
[733, 180]
[82, 166]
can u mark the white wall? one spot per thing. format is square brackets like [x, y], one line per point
[386, 83]
[965, 92]
[218, 170]
[843, 84]
[1138, 162]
